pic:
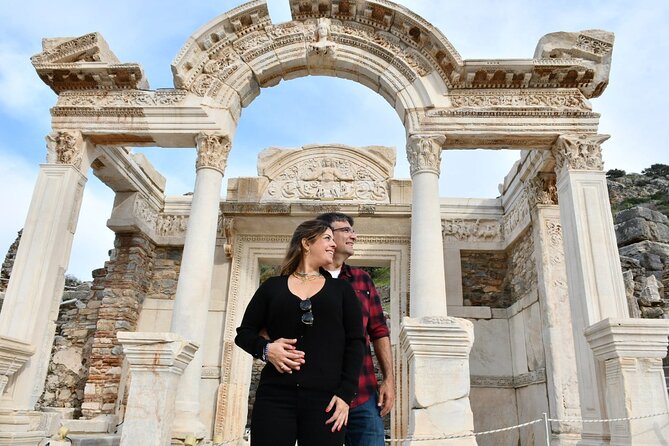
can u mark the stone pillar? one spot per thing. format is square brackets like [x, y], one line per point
[561, 374]
[594, 276]
[156, 361]
[632, 352]
[428, 285]
[436, 346]
[36, 285]
[191, 304]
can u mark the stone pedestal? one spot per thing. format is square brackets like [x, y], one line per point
[632, 352]
[437, 349]
[157, 361]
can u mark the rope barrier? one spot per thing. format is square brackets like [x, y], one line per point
[469, 434]
[576, 420]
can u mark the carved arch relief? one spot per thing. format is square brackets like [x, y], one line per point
[377, 43]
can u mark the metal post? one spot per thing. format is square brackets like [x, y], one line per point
[548, 429]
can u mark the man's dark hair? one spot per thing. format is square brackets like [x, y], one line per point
[331, 217]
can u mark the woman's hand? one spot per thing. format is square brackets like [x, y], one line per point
[340, 416]
[284, 356]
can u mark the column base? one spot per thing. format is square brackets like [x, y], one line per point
[437, 349]
[632, 352]
[187, 423]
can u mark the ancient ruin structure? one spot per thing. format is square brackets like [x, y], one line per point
[501, 309]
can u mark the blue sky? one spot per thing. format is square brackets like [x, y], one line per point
[318, 109]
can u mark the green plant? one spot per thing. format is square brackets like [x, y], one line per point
[656, 170]
[615, 173]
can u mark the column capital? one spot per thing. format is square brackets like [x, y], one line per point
[542, 189]
[65, 147]
[212, 151]
[424, 153]
[579, 151]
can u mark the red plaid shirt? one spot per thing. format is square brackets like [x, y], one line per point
[375, 327]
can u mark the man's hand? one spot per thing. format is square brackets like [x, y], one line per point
[284, 356]
[386, 397]
[339, 418]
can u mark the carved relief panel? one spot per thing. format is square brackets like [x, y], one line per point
[327, 173]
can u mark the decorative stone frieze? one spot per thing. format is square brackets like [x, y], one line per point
[542, 189]
[516, 217]
[424, 153]
[123, 98]
[65, 148]
[581, 152]
[510, 382]
[472, 230]
[327, 173]
[212, 151]
[562, 99]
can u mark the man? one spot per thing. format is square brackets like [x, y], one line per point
[373, 401]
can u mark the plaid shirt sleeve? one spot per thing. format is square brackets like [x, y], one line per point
[375, 327]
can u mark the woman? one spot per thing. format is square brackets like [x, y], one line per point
[315, 347]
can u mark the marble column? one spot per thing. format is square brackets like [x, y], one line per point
[436, 347]
[191, 304]
[156, 361]
[594, 276]
[558, 339]
[38, 275]
[632, 352]
[427, 289]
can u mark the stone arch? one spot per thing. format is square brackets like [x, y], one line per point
[377, 43]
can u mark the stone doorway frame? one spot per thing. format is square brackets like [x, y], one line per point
[248, 253]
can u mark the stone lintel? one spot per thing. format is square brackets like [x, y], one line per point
[628, 338]
[151, 351]
[437, 336]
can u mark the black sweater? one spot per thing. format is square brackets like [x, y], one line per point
[333, 346]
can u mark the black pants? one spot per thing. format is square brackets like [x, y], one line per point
[282, 415]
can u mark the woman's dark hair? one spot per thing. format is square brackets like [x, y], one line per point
[309, 230]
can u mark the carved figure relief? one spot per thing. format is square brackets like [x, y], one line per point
[424, 154]
[323, 45]
[65, 148]
[579, 152]
[327, 173]
[171, 225]
[212, 151]
[326, 178]
[471, 230]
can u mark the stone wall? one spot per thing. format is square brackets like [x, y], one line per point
[7, 266]
[68, 369]
[484, 278]
[497, 279]
[126, 285]
[643, 243]
[166, 267]
[522, 268]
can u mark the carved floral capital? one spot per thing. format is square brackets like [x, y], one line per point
[212, 151]
[582, 152]
[424, 153]
[65, 148]
[542, 189]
